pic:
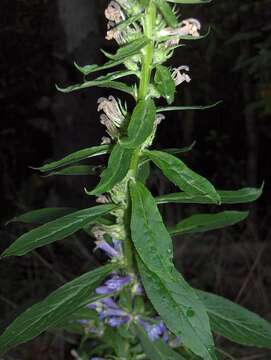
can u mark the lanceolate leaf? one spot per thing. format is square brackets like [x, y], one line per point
[171, 296]
[118, 166]
[54, 309]
[141, 124]
[76, 157]
[235, 322]
[245, 195]
[107, 81]
[181, 310]
[122, 54]
[76, 170]
[164, 83]
[206, 222]
[172, 151]
[167, 12]
[184, 108]
[56, 230]
[148, 231]
[155, 350]
[186, 179]
[41, 216]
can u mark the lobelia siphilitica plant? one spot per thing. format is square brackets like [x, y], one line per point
[137, 306]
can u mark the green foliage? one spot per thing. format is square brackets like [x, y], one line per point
[58, 306]
[183, 177]
[56, 230]
[206, 222]
[128, 226]
[235, 322]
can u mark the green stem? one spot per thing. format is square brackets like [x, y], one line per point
[145, 78]
[146, 70]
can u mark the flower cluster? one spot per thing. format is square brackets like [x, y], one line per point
[110, 312]
[113, 116]
[115, 16]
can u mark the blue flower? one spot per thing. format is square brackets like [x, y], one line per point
[114, 284]
[110, 312]
[111, 251]
[155, 331]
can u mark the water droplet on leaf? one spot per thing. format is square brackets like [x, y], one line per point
[190, 312]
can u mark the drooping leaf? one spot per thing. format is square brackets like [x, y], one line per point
[57, 307]
[107, 81]
[242, 196]
[76, 170]
[149, 234]
[186, 179]
[141, 123]
[75, 157]
[164, 83]
[117, 169]
[122, 54]
[41, 216]
[205, 222]
[184, 108]
[56, 230]
[235, 322]
[167, 12]
[181, 310]
[155, 350]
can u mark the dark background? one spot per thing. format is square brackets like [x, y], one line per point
[39, 40]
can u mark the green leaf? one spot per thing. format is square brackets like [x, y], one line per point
[167, 12]
[186, 179]
[122, 54]
[170, 295]
[143, 172]
[56, 230]
[75, 157]
[155, 350]
[54, 309]
[172, 151]
[141, 124]
[193, 2]
[181, 310]
[149, 234]
[117, 169]
[107, 81]
[164, 83]
[41, 216]
[183, 108]
[177, 151]
[76, 170]
[206, 222]
[235, 322]
[242, 196]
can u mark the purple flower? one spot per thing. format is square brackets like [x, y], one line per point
[118, 321]
[111, 251]
[109, 311]
[114, 284]
[155, 331]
